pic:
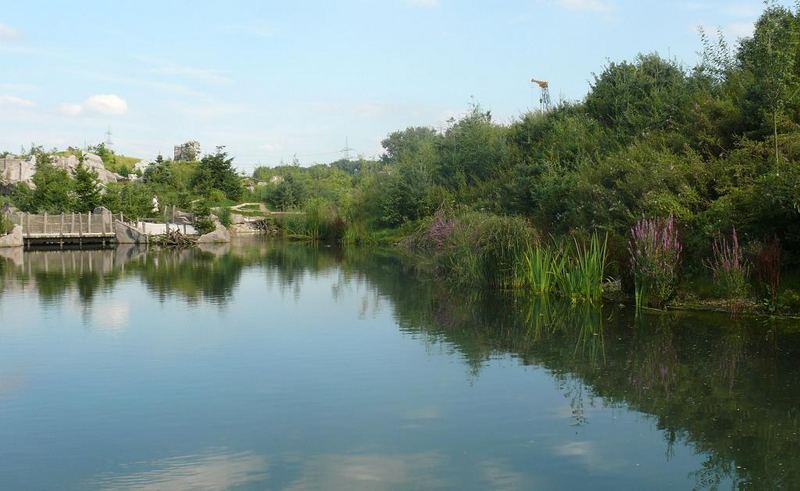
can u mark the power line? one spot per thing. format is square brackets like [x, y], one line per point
[346, 150]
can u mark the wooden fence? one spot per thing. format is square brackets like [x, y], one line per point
[65, 225]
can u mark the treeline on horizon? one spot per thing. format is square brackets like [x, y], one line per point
[716, 146]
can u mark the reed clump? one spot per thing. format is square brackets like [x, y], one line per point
[574, 270]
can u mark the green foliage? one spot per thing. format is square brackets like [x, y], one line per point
[216, 171]
[408, 144]
[53, 188]
[86, 188]
[639, 98]
[120, 164]
[319, 221]
[224, 215]
[474, 247]
[133, 200]
[203, 222]
[6, 225]
[572, 270]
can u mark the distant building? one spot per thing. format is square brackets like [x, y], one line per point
[189, 151]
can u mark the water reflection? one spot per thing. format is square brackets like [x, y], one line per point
[728, 389]
[210, 471]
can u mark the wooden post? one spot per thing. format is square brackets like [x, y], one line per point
[80, 226]
[28, 224]
[72, 228]
[61, 231]
[89, 224]
[44, 226]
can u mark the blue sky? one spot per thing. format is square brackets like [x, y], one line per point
[275, 79]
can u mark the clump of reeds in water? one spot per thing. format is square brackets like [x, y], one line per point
[655, 251]
[729, 266]
[576, 271]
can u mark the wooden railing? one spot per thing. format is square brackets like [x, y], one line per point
[67, 225]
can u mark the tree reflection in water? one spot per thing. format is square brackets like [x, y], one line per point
[728, 387]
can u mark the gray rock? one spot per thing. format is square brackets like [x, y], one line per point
[13, 239]
[16, 170]
[127, 234]
[219, 235]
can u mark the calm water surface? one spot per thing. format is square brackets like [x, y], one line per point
[266, 366]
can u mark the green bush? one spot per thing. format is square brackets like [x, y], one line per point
[474, 247]
[6, 225]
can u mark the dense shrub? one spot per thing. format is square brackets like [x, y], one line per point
[475, 247]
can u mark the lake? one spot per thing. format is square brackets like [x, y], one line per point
[263, 365]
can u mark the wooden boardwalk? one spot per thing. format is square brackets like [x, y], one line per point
[66, 228]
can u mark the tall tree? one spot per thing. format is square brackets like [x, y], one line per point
[216, 171]
[86, 189]
[53, 185]
[769, 61]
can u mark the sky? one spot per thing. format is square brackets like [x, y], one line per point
[277, 80]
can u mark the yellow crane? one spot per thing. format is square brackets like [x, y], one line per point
[544, 98]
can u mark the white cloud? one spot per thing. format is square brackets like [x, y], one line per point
[106, 104]
[69, 109]
[738, 30]
[424, 3]
[109, 104]
[8, 33]
[585, 5]
[13, 101]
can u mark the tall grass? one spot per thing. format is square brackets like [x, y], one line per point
[320, 221]
[473, 248]
[539, 271]
[476, 248]
[575, 271]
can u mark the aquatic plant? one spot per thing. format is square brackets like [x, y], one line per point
[574, 271]
[538, 268]
[579, 272]
[655, 251]
[729, 266]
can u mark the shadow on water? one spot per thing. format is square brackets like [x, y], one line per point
[729, 388]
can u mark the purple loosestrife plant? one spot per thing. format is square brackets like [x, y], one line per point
[440, 229]
[655, 250]
[729, 266]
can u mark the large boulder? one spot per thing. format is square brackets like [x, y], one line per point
[13, 239]
[219, 235]
[127, 234]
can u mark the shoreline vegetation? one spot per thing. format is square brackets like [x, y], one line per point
[666, 186]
